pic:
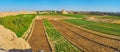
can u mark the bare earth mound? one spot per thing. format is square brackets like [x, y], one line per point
[9, 40]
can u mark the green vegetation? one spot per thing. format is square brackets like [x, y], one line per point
[112, 29]
[75, 15]
[47, 14]
[70, 15]
[61, 45]
[18, 24]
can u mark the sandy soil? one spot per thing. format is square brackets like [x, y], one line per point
[105, 20]
[3, 14]
[9, 40]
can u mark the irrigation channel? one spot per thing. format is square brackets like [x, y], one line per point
[86, 41]
[38, 40]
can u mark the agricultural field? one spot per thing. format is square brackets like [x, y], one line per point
[59, 42]
[58, 32]
[112, 29]
[76, 36]
[18, 24]
[75, 15]
[60, 26]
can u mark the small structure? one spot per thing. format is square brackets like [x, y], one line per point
[64, 12]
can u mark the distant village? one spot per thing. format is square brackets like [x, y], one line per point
[2, 14]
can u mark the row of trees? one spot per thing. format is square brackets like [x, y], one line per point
[99, 13]
[83, 12]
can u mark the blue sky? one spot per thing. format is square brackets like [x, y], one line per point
[77, 5]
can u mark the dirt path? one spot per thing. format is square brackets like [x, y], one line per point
[80, 39]
[38, 40]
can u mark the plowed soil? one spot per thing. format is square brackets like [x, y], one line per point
[38, 40]
[84, 40]
[110, 42]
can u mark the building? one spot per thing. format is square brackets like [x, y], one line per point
[64, 12]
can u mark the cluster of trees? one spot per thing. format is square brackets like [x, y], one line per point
[83, 12]
[96, 13]
[49, 11]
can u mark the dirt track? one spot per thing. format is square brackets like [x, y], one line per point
[85, 40]
[38, 39]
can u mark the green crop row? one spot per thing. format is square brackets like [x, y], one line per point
[90, 22]
[70, 15]
[112, 29]
[61, 45]
[75, 15]
[18, 24]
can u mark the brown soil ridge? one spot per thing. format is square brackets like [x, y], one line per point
[79, 40]
[38, 40]
[96, 32]
[110, 42]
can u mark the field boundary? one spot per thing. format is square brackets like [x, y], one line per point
[29, 30]
[46, 34]
[30, 33]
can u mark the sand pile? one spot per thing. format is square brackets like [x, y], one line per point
[64, 12]
[105, 20]
[9, 40]
[3, 14]
[116, 22]
[98, 19]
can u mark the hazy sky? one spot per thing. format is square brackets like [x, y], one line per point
[77, 5]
